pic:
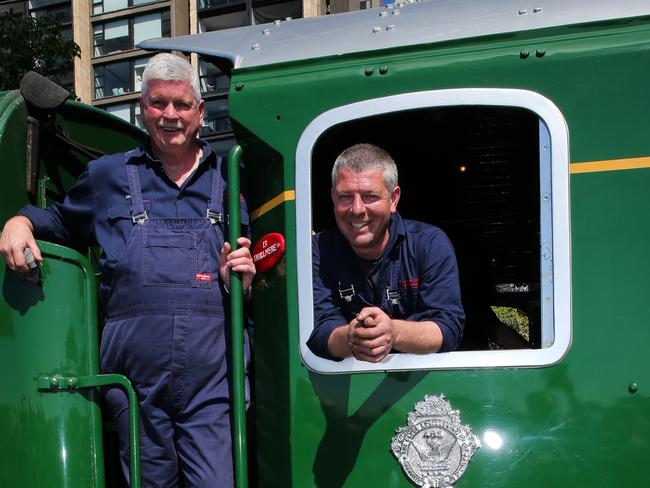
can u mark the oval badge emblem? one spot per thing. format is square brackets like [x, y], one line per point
[268, 251]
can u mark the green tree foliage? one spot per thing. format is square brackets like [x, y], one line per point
[36, 44]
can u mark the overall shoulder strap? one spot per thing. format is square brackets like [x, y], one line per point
[215, 207]
[138, 213]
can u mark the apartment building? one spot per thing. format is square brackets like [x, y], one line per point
[108, 74]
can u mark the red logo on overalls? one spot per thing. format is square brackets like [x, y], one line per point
[203, 276]
[410, 283]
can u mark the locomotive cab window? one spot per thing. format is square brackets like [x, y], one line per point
[489, 168]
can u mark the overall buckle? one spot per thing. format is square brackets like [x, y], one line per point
[347, 293]
[392, 297]
[140, 218]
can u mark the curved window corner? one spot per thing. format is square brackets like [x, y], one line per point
[490, 168]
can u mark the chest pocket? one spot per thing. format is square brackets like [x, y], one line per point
[119, 217]
[176, 258]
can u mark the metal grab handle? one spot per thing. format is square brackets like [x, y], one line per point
[237, 328]
[59, 382]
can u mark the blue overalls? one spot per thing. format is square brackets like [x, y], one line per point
[416, 280]
[388, 299]
[166, 331]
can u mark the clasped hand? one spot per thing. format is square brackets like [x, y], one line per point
[371, 335]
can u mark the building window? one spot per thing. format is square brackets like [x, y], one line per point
[205, 4]
[212, 79]
[216, 118]
[60, 11]
[130, 112]
[138, 69]
[265, 11]
[151, 26]
[499, 168]
[122, 110]
[224, 21]
[125, 34]
[112, 37]
[137, 116]
[113, 79]
[105, 6]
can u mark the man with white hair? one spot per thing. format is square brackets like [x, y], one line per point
[157, 212]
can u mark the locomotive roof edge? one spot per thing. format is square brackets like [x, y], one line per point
[400, 24]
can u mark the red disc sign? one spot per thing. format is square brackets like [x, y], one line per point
[268, 251]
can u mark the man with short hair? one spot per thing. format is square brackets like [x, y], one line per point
[381, 283]
[157, 212]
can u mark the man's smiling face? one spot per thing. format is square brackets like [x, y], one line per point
[171, 115]
[362, 208]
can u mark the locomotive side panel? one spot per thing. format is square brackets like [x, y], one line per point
[555, 424]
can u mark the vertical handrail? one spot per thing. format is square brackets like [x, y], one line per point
[58, 382]
[237, 328]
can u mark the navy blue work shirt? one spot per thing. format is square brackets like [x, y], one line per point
[416, 280]
[97, 209]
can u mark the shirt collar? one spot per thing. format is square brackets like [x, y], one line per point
[396, 233]
[144, 153]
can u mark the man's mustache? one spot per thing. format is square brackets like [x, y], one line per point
[166, 125]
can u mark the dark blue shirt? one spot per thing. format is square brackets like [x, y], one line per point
[416, 279]
[97, 210]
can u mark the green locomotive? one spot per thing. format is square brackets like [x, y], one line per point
[520, 128]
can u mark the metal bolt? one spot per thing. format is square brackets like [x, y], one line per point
[540, 52]
[239, 86]
[537, 10]
[376, 29]
[54, 382]
[395, 12]
[277, 22]
[633, 387]
[383, 70]
[522, 12]
[266, 32]
[256, 46]
[524, 54]
[369, 71]
[288, 18]
[383, 13]
[390, 27]
[73, 382]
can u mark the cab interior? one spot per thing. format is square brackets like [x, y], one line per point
[473, 171]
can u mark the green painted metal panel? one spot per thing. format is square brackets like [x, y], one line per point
[577, 423]
[582, 422]
[13, 114]
[51, 438]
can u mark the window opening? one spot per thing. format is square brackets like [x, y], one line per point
[474, 173]
[483, 173]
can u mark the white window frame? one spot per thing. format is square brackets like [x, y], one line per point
[555, 245]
